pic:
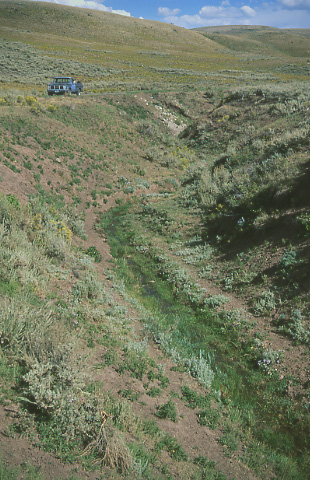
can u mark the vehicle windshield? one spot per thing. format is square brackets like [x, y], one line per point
[62, 80]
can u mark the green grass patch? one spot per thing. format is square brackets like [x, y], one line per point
[167, 410]
[9, 288]
[171, 445]
[27, 472]
[94, 253]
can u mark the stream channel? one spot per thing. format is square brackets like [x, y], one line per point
[261, 399]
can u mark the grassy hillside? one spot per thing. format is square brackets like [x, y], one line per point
[112, 52]
[154, 249]
[291, 42]
[106, 49]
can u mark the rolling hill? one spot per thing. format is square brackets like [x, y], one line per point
[291, 42]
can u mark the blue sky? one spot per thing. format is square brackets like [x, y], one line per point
[203, 13]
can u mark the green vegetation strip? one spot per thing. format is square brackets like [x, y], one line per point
[242, 379]
[42, 364]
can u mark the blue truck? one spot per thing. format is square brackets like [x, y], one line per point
[64, 85]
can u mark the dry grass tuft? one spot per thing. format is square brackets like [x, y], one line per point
[110, 448]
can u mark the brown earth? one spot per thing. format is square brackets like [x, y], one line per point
[196, 439]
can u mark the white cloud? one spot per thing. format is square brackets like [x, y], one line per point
[284, 14]
[188, 21]
[210, 15]
[120, 12]
[166, 12]
[248, 11]
[92, 4]
[296, 4]
[211, 11]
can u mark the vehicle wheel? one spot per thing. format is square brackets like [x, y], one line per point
[78, 92]
[50, 93]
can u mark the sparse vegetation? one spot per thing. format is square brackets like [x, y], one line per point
[195, 177]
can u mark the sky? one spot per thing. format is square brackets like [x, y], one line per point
[205, 13]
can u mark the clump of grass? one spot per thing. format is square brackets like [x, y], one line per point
[154, 392]
[27, 471]
[209, 470]
[111, 450]
[265, 303]
[94, 253]
[193, 399]
[208, 417]
[200, 368]
[171, 445]
[129, 394]
[134, 363]
[298, 328]
[124, 418]
[167, 410]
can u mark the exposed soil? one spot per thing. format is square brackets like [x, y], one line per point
[196, 440]
[20, 452]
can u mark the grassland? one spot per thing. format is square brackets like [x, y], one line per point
[137, 54]
[154, 254]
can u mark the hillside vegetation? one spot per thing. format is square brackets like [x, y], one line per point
[292, 42]
[154, 249]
